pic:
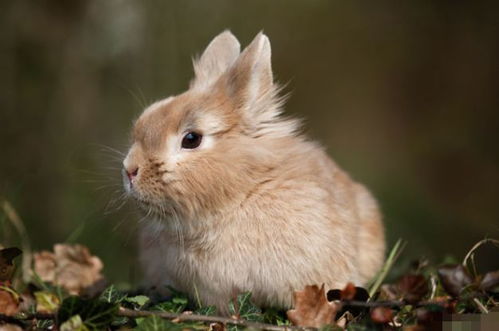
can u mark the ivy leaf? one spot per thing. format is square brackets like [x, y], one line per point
[274, 316]
[207, 310]
[245, 309]
[95, 314]
[155, 323]
[112, 295]
[139, 301]
[44, 324]
[74, 324]
[174, 305]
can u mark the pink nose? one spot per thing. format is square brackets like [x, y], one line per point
[131, 174]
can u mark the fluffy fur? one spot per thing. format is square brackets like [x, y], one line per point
[256, 207]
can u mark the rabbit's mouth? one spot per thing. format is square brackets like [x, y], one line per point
[160, 210]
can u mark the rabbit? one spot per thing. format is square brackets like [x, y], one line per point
[236, 198]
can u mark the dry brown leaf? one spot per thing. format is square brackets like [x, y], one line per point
[348, 292]
[216, 327]
[10, 327]
[312, 308]
[490, 280]
[6, 265]
[413, 288]
[454, 278]
[70, 266]
[381, 315]
[9, 304]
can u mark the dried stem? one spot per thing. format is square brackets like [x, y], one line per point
[476, 246]
[16, 221]
[203, 318]
[183, 317]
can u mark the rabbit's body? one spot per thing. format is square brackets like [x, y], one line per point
[255, 206]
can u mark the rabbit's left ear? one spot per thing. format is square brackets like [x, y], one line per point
[249, 81]
[220, 54]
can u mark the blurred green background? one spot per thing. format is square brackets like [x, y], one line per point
[403, 94]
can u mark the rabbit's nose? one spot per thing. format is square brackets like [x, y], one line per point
[132, 173]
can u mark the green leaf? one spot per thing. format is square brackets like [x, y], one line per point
[46, 302]
[73, 324]
[95, 314]
[44, 324]
[112, 295]
[174, 305]
[245, 309]
[274, 316]
[155, 323]
[208, 310]
[120, 320]
[139, 300]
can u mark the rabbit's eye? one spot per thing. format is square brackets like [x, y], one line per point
[191, 140]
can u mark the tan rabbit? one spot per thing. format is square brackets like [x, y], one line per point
[236, 199]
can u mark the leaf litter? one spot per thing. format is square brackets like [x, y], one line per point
[66, 291]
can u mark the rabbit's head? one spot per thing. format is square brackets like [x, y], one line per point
[204, 149]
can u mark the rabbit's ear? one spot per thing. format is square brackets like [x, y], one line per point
[250, 80]
[220, 54]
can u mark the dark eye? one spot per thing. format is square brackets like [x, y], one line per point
[191, 140]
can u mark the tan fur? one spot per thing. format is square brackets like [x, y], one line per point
[256, 207]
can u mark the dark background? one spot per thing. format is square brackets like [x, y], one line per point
[403, 94]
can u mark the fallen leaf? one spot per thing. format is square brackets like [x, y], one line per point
[10, 327]
[382, 315]
[312, 308]
[71, 267]
[428, 317]
[413, 288]
[414, 328]
[216, 327]
[9, 302]
[6, 264]
[454, 278]
[490, 281]
[46, 302]
[74, 324]
[349, 292]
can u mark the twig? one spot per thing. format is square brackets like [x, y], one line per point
[476, 246]
[480, 306]
[203, 318]
[183, 317]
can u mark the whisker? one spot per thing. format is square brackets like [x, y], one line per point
[111, 149]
